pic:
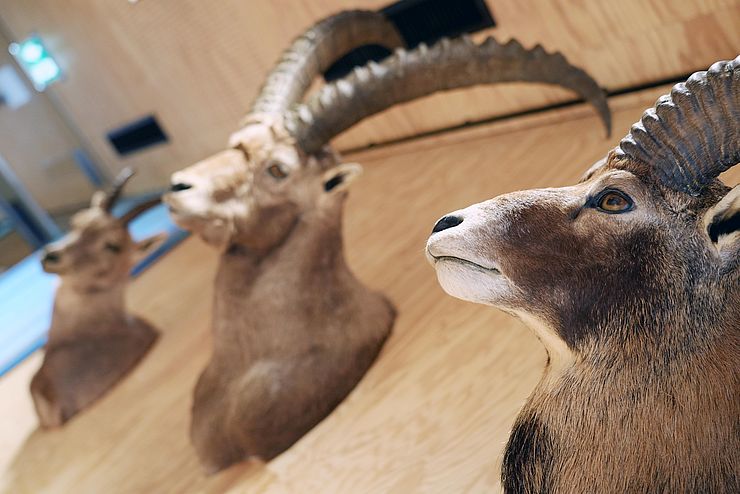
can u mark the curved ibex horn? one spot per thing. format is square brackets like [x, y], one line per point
[139, 209]
[693, 134]
[118, 184]
[449, 64]
[315, 50]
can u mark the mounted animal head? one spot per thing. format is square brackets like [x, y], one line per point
[644, 251]
[278, 166]
[253, 193]
[99, 252]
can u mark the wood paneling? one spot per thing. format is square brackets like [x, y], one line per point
[197, 65]
[431, 416]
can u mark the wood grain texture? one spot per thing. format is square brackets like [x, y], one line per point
[432, 415]
[198, 65]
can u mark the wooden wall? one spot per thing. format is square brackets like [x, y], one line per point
[197, 65]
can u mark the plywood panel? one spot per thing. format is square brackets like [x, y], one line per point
[197, 65]
[434, 412]
[622, 44]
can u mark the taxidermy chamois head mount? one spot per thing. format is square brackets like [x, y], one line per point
[93, 341]
[631, 279]
[98, 252]
[294, 330]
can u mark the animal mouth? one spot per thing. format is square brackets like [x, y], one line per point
[177, 214]
[465, 262]
[51, 268]
[173, 209]
[182, 217]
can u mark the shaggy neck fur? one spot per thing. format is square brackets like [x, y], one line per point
[93, 343]
[81, 312]
[305, 274]
[623, 421]
[294, 332]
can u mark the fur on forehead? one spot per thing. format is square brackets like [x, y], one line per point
[264, 136]
[260, 129]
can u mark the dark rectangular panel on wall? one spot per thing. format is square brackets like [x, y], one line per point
[419, 21]
[426, 21]
[137, 135]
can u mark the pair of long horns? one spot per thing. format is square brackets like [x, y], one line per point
[692, 134]
[689, 137]
[114, 194]
[316, 50]
[411, 74]
[405, 76]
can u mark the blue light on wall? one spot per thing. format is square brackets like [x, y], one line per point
[37, 63]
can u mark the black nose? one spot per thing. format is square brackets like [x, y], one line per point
[180, 186]
[51, 257]
[447, 222]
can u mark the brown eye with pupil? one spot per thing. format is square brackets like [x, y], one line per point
[614, 202]
[277, 171]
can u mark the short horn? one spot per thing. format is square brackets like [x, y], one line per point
[449, 64]
[139, 209]
[692, 134]
[316, 50]
[117, 188]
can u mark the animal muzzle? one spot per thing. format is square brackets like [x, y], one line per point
[52, 259]
[180, 193]
[463, 235]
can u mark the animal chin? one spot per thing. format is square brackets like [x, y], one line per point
[185, 219]
[470, 281]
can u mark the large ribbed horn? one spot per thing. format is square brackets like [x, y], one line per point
[117, 188]
[139, 209]
[693, 134]
[408, 75]
[316, 50]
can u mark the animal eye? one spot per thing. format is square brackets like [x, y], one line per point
[614, 201]
[277, 170]
[113, 247]
[241, 147]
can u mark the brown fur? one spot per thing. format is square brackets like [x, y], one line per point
[640, 313]
[93, 341]
[294, 331]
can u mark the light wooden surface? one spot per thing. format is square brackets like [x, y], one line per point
[433, 414]
[197, 65]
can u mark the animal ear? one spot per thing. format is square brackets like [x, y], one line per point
[339, 177]
[97, 199]
[592, 169]
[722, 223]
[143, 248]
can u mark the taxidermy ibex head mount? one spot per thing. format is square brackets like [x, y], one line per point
[294, 330]
[93, 340]
[631, 279]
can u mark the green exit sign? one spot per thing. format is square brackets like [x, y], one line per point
[36, 62]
